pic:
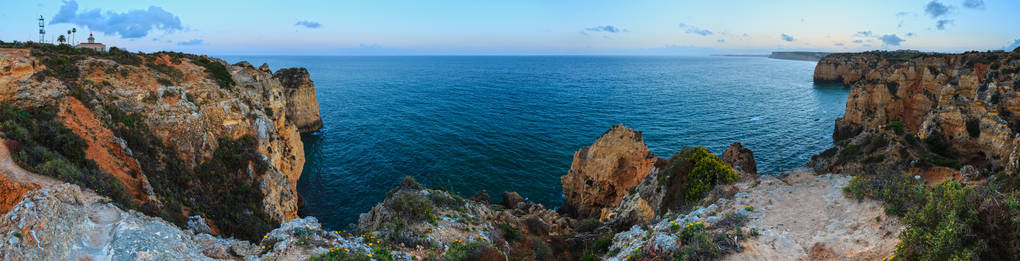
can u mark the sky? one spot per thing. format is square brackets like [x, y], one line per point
[521, 27]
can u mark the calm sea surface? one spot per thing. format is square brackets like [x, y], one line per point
[467, 123]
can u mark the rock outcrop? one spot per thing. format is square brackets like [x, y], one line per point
[187, 104]
[741, 158]
[299, 91]
[601, 174]
[61, 222]
[913, 111]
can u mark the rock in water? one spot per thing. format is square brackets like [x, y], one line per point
[601, 174]
[510, 199]
[302, 108]
[741, 158]
[481, 197]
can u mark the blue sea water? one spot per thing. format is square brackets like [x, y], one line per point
[467, 123]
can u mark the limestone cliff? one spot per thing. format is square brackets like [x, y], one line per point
[925, 112]
[300, 94]
[601, 174]
[153, 119]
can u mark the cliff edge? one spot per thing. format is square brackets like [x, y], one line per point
[169, 134]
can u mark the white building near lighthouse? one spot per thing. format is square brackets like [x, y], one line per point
[92, 44]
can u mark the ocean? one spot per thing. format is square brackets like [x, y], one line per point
[512, 123]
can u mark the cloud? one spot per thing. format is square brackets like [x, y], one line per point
[309, 24]
[974, 4]
[131, 24]
[720, 41]
[902, 14]
[864, 34]
[891, 39]
[695, 30]
[839, 44]
[858, 41]
[190, 42]
[786, 37]
[911, 34]
[941, 24]
[1016, 44]
[698, 31]
[746, 35]
[936, 9]
[606, 28]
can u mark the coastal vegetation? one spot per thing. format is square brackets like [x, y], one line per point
[691, 174]
[38, 142]
[950, 221]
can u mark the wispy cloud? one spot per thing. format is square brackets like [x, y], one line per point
[131, 24]
[695, 30]
[864, 34]
[936, 9]
[891, 40]
[721, 41]
[190, 42]
[786, 37]
[910, 35]
[839, 44]
[309, 24]
[974, 4]
[858, 41]
[606, 29]
[941, 24]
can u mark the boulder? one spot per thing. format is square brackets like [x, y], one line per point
[602, 174]
[511, 199]
[481, 197]
[741, 158]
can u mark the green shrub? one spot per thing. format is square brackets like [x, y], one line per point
[588, 225]
[943, 228]
[691, 174]
[411, 206]
[895, 126]
[510, 233]
[217, 71]
[339, 255]
[470, 251]
[939, 160]
[899, 193]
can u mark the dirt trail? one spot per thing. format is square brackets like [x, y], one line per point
[807, 217]
[15, 181]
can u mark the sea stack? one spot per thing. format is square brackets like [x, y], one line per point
[299, 90]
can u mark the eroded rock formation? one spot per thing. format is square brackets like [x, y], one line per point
[913, 111]
[299, 91]
[741, 158]
[601, 174]
[186, 102]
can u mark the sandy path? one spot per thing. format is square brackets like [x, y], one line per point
[807, 217]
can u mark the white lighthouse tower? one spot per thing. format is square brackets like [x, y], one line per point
[42, 30]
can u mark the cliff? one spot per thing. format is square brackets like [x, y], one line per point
[930, 114]
[798, 56]
[301, 103]
[178, 134]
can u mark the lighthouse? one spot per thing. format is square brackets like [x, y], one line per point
[92, 44]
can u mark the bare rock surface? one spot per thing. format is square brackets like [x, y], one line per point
[603, 173]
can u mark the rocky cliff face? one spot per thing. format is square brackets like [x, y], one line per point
[924, 112]
[300, 94]
[149, 117]
[601, 174]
